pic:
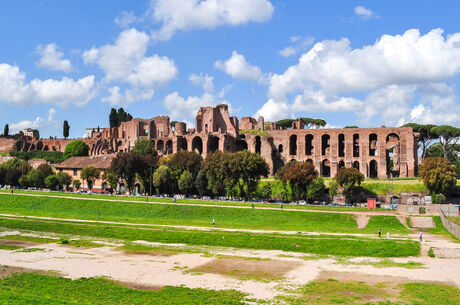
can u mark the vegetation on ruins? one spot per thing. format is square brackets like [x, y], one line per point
[65, 129]
[117, 117]
[76, 148]
[309, 123]
[256, 132]
[438, 175]
[49, 156]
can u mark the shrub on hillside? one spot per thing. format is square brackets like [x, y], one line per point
[76, 148]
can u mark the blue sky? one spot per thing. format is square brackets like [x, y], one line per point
[365, 63]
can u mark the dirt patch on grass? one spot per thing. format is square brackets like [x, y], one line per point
[139, 286]
[6, 271]
[362, 221]
[18, 243]
[243, 268]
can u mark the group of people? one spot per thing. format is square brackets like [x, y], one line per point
[388, 235]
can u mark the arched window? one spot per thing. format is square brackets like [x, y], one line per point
[356, 145]
[197, 145]
[325, 144]
[341, 145]
[293, 145]
[308, 144]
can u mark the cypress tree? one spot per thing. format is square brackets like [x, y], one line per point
[113, 118]
[65, 129]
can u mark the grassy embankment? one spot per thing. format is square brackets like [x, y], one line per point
[325, 245]
[30, 288]
[137, 212]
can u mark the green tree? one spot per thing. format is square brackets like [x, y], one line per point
[316, 189]
[162, 179]
[348, 177]
[113, 118]
[299, 176]
[127, 165]
[46, 169]
[36, 178]
[448, 137]
[144, 147]
[186, 183]
[316, 123]
[51, 182]
[65, 129]
[285, 123]
[76, 183]
[90, 174]
[266, 191]
[182, 161]
[6, 130]
[438, 175]
[215, 174]
[12, 170]
[112, 180]
[351, 126]
[201, 183]
[333, 188]
[64, 179]
[248, 168]
[76, 148]
[436, 150]
[426, 135]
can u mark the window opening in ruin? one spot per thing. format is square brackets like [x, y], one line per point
[280, 148]
[197, 145]
[341, 145]
[160, 146]
[183, 144]
[308, 144]
[373, 144]
[258, 145]
[373, 173]
[341, 164]
[241, 145]
[356, 165]
[213, 144]
[326, 168]
[169, 147]
[325, 144]
[356, 145]
[293, 145]
[309, 161]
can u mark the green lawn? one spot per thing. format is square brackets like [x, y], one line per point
[328, 245]
[29, 288]
[137, 212]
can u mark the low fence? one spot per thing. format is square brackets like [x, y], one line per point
[449, 225]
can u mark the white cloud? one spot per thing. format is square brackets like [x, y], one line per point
[299, 44]
[116, 98]
[126, 19]
[125, 61]
[237, 67]
[51, 58]
[38, 123]
[204, 81]
[176, 15]
[183, 109]
[15, 89]
[363, 12]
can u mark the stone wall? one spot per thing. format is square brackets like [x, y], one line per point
[453, 228]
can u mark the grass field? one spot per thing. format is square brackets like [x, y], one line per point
[30, 288]
[136, 212]
[328, 245]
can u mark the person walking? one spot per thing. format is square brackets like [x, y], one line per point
[388, 235]
[281, 205]
[213, 222]
[421, 236]
[252, 205]
[380, 232]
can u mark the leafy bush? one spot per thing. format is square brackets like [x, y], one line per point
[439, 198]
[49, 156]
[76, 148]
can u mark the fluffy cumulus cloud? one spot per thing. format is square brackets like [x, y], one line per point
[125, 61]
[363, 12]
[176, 15]
[38, 123]
[237, 67]
[52, 59]
[204, 81]
[185, 109]
[116, 96]
[15, 89]
[391, 71]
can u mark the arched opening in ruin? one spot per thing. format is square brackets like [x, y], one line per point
[325, 145]
[152, 130]
[341, 145]
[356, 145]
[32, 147]
[309, 161]
[308, 144]
[197, 145]
[182, 144]
[373, 167]
[373, 144]
[45, 147]
[169, 147]
[39, 145]
[213, 144]
[341, 164]
[280, 148]
[293, 145]
[241, 145]
[160, 146]
[356, 165]
[258, 145]
[392, 148]
[326, 168]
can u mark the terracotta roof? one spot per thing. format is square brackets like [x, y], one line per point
[101, 162]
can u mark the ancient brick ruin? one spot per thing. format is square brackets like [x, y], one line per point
[368, 149]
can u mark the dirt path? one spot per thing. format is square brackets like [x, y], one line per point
[156, 270]
[370, 213]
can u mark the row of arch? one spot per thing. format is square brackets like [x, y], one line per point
[325, 167]
[325, 144]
